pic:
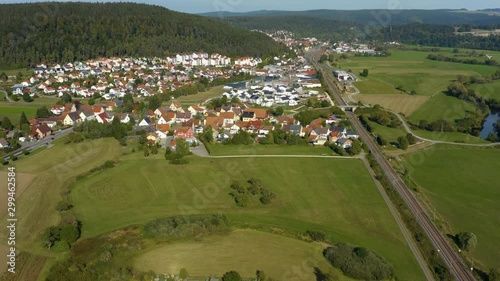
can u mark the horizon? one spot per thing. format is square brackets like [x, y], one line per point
[239, 6]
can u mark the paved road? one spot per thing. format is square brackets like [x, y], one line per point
[30, 146]
[6, 96]
[408, 130]
[451, 258]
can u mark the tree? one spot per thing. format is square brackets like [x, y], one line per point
[19, 77]
[154, 149]
[183, 274]
[381, 141]
[6, 124]
[63, 206]
[66, 98]
[231, 276]
[355, 148]
[23, 120]
[50, 236]
[182, 147]
[146, 151]
[154, 102]
[365, 73]
[69, 233]
[466, 240]
[260, 276]
[42, 112]
[278, 111]
[411, 139]
[494, 275]
[403, 143]
[323, 58]
[4, 77]
[27, 97]
[91, 101]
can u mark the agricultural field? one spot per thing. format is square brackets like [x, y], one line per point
[43, 175]
[461, 185]
[488, 91]
[332, 195]
[13, 72]
[450, 137]
[400, 103]
[412, 71]
[389, 134]
[442, 106]
[224, 150]
[244, 251]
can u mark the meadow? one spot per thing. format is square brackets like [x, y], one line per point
[201, 97]
[13, 110]
[332, 195]
[224, 150]
[413, 72]
[461, 186]
[442, 106]
[244, 251]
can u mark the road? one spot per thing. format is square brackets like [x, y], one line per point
[408, 130]
[30, 146]
[451, 258]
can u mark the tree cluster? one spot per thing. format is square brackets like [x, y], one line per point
[186, 226]
[242, 194]
[64, 233]
[359, 263]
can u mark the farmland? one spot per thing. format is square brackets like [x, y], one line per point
[224, 150]
[332, 195]
[413, 72]
[442, 106]
[13, 110]
[461, 186]
[244, 251]
[201, 97]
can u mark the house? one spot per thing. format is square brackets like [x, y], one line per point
[334, 136]
[3, 143]
[40, 131]
[101, 118]
[57, 109]
[182, 117]
[176, 106]
[259, 113]
[344, 143]
[184, 133]
[71, 119]
[248, 116]
[145, 122]
[296, 129]
[214, 121]
[153, 138]
[352, 134]
[87, 115]
[229, 117]
[196, 109]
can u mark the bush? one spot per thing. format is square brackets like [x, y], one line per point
[359, 263]
[186, 226]
[63, 206]
[318, 236]
[26, 152]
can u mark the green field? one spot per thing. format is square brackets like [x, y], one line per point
[412, 71]
[336, 196]
[442, 106]
[224, 150]
[488, 91]
[461, 184]
[390, 134]
[244, 251]
[201, 96]
[450, 137]
[13, 110]
[13, 72]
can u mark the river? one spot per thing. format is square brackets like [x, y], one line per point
[489, 124]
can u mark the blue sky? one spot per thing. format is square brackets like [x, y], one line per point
[199, 6]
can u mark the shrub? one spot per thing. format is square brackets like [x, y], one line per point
[186, 226]
[63, 206]
[359, 263]
[318, 236]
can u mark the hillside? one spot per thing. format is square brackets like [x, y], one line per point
[448, 17]
[50, 32]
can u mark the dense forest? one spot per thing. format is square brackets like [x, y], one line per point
[380, 17]
[65, 32]
[302, 26]
[436, 35]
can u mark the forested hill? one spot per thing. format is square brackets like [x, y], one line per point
[64, 32]
[380, 17]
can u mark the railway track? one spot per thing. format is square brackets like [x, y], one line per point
[453, 260]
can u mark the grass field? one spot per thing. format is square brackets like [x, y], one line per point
[401, 103]
[223, 150]
[201, 97]
[488, 91]
[13, 72]
[244, 251]
[450, 137]
[412, 71]
[50, 171]
[390, 134]
[13, 110]
[442, 106]
[336, 196]
[462, 185]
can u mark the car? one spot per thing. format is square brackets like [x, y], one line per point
[52, 138]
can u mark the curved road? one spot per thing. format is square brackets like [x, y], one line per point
[452, 259]
[408, 130]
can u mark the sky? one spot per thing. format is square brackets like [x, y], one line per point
[201, 6]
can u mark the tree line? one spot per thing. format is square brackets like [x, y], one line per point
[68, 32]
